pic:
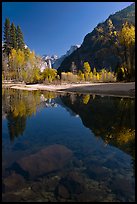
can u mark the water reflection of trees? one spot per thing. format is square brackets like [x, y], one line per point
[17, 105]
[16, 125]
[110, 118]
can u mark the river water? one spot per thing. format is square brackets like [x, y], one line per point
[67, 147]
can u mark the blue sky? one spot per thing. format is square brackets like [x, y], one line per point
[52, 27]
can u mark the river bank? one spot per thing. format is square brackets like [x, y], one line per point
[117, 89]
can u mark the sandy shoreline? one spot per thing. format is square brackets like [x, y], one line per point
[119, 89]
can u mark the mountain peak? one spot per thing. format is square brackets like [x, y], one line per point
[96, 47]
[58, 62]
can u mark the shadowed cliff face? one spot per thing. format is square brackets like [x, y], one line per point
[98, 47]
[110, 118]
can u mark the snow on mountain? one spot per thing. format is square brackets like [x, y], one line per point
[48, 61]
[53, 61]
[58, 62]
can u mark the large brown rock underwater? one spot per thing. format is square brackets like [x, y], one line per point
[47, 160]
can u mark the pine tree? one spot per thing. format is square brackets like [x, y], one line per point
[7, 37]
[20, 40]
[13, 41]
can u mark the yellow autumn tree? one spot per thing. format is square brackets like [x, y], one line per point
[81, 76]
[91, 76]
[86, 70]
[17, 63]
[13, 63]
[126, 38]
[49, 74]
[86, 98]
[20, 64]
[30, 58]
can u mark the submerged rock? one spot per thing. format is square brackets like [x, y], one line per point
[47, 160]
[98, 172]
[122, 186]
[11, 198]
[70, 185]
[13, 182]
[62, 191]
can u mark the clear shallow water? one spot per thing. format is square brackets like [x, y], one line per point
[71, 148]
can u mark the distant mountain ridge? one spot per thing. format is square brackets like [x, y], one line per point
[54, 61]
[58, 62]
[96, 47]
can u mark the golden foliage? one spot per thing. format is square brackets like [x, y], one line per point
[87, 67]
[127, 35]
[49, 95]
[125, 135]
[86, 98]
[49, 74]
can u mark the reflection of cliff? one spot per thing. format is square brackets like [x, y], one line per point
[110, 118]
